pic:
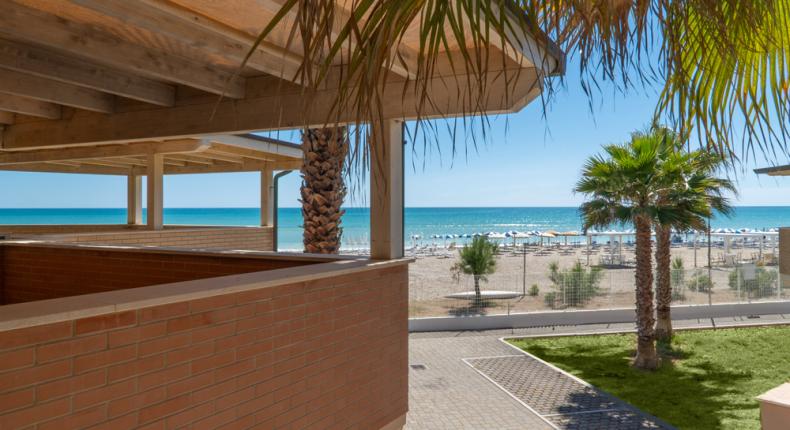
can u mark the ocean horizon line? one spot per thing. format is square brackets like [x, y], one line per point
[345, 207]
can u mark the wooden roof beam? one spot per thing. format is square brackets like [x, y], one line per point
[251, 153]
[87, 41]
[194, 159]
[70, 70]
[62, 168]
[268, 109]
[254, 147]
[228, 158]
[192, 27]
[34, 87]
[26, 106]
[99, 152]
[6, 118]
[246, 166]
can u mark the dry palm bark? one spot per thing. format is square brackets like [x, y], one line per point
[663, 284]
[323, 188]
[646, 356]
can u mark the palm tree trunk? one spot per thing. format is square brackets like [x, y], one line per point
[323, 189]
[663, 284]
[646, 356]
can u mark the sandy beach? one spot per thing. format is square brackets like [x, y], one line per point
[431, 278]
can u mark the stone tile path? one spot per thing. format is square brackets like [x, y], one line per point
[472, 380]
[559, 398]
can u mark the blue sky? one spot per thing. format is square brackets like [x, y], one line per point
[528, 160]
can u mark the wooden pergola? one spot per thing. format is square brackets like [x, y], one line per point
[154, 87]
[154, 160]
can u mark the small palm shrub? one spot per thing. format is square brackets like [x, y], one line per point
[763, 284]
[575, 287]
[550, 300]
[477, 259]
[677, 279]
[534, 290]
[700, 283]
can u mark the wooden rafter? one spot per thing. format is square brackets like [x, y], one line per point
[6, 118]
[34, 87]
[104, 151]
[35, 26]
[26, 106]
[268, 108]
[267, 58]
[72, 70]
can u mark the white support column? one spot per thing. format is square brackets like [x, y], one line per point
[267, 198]
[386, 192]
[155, 191]
[134, 199]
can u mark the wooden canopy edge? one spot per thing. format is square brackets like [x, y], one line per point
[214, 154]
[774, 171]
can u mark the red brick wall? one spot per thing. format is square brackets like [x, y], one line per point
[326, 354]
[38, 273]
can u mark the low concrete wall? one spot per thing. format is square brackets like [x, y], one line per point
[606, 316]
[204, 237]
[314, 347]
[784, 256]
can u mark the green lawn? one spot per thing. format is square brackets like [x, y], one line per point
[708, 380]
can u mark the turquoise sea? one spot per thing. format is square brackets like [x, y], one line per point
[419, 221]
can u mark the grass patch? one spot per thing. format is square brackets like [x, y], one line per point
[708, 379]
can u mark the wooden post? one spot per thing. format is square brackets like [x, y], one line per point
[155, 194]
[386, 191]
[267, 198]
[134, 200]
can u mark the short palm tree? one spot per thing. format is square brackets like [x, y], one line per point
[622, 188]
[693, 195]
[477, 259]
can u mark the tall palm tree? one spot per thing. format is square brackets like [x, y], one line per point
[323, 188]
[695, 193]
[716, 63]
[477, 259]
[622, 188]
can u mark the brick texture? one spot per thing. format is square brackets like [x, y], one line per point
[326, 354]
[37, 273]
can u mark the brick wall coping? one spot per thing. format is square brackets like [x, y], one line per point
[21, 315]
[229, 253]
[63, 229]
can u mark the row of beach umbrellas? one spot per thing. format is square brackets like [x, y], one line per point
[552, 233]
[497, 235]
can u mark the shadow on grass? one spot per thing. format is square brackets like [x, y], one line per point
[694, 396]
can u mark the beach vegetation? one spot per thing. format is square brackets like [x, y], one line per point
[690, 192]
[760, 283]
[534, 290]
[623, 186]
[678, 279]
[477, 259]
[708, 379]
[574, 287]
[700, 282]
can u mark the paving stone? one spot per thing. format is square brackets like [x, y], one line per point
[541, 387]
[447, 389]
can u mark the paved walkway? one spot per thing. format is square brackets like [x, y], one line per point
[472, 380]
